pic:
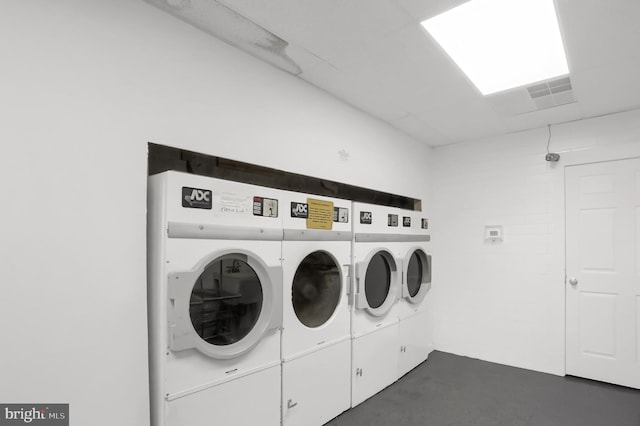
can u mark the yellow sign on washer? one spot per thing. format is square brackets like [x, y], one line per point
[320, 214]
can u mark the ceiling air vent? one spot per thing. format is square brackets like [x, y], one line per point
[551, 93]
[539, 96]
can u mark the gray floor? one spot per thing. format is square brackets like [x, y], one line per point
[458, 391]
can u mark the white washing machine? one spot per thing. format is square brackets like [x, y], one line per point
[215, 301]
[316, 344]
[376, 287]
[416, 321]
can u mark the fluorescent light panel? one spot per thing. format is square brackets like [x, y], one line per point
[502, 44]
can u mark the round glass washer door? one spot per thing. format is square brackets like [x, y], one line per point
[224, 307]
[225, 302]
[316, 289]
[377, 283]
[417, 276]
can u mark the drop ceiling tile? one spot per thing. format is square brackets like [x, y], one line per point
[408, 70]
[597, 32]
[462, 121]
[540, 118]
[407, 66]
[513, 102]
[610, 88]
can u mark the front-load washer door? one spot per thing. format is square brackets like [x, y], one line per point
[417, 276]
[377, 283]
[316, 289]
[224, 306]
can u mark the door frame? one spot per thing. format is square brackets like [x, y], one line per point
[578, 157]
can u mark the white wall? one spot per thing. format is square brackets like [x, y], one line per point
[85, 85]
[505, 302]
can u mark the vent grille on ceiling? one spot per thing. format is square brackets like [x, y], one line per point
[552, 93]
[539, 96]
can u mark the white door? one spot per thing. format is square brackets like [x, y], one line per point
[603, 271]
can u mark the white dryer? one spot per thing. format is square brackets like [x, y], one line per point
[416, 321]
[316, 345]
[214, 301]
[376, 287]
